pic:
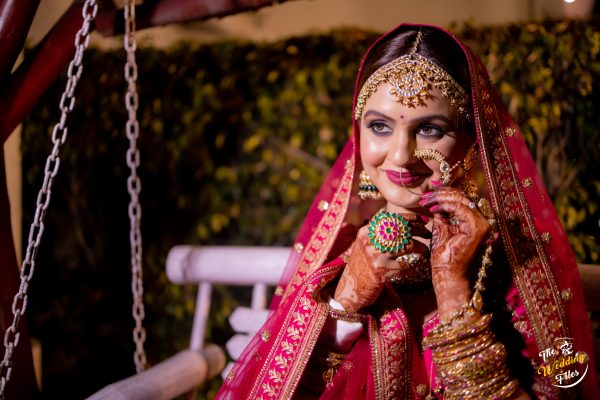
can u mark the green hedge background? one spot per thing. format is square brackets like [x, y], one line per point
[235, 140]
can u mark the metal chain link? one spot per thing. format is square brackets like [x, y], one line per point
[59, 135]
[134, 187]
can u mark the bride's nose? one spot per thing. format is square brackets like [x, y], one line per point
[401, 149]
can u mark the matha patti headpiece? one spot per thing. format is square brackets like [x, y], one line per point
[412, 76]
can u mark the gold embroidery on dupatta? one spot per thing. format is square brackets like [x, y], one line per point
[317, 248]
[512, 208]
[394, 330]
[546, 237]
[377, 352]
[298, 247]
[390, 352]
[290, 353]
[566, 295]
[323, 205]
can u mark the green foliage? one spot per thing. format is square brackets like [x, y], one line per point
[235, 140]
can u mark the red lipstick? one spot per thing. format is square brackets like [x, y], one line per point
[402, 178]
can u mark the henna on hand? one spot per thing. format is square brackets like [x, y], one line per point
[453, 246]
[368, 270]
[360, 284]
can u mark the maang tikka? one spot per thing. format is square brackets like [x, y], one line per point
[412, 76]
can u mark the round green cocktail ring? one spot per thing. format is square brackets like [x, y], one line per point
[389, 232]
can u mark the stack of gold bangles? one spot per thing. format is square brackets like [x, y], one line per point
[469, 361]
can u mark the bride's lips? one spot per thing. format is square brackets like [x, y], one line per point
[403, 178]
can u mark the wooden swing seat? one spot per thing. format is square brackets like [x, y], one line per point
[205, 266]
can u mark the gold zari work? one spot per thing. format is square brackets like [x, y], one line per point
[412, 76]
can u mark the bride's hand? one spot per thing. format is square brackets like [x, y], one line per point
[458, 231]
[368, 270]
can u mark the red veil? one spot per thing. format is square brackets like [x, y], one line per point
[543, 293]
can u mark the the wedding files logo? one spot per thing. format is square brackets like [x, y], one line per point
[564, 364]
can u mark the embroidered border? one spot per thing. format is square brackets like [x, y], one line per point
[529, 262]
[377, 352]
[293, 345]
[395, 331]
[315, 251]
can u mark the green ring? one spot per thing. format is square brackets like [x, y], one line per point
[389, 232]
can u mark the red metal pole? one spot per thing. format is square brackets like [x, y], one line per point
[164, 12]
[42, 67]
[15, 20]
[22, 382]
[39, 70]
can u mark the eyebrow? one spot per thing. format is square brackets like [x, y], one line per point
[419, 120]
[378, 114]
[425, 118]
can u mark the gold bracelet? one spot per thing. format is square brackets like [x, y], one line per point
[346, 315]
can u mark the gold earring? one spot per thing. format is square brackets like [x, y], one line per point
[366, 188]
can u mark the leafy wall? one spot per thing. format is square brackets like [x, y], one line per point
[235, 140]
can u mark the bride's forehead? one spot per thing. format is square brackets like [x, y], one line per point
[383, 101]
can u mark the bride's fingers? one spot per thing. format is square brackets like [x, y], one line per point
[449, 195]
[456, 204]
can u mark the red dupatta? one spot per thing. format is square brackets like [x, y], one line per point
[545, 297]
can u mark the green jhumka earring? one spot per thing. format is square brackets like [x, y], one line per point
[366, 188]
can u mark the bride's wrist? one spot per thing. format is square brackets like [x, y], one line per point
[452, 295]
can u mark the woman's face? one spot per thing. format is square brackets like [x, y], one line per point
[389, 134]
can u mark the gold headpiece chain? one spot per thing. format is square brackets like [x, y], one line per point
[411, 77]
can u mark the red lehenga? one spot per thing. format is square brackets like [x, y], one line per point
[542, 294]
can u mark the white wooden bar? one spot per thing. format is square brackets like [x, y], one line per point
[200, 315]
[169, 379]
[231, 265]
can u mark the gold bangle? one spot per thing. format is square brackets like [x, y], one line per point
[456, 333]
[346, 315]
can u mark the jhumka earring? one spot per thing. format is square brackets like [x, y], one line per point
[366, 188]
[445, 168]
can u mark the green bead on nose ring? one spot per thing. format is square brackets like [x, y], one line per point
[389, 232]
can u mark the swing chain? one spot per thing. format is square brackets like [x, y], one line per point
[134, 187]
[59, 135]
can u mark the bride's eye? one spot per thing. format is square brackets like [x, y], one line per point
[431, 131]
[379, 127]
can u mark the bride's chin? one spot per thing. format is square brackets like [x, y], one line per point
[404, 202]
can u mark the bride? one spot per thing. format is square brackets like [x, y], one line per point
[432, 263]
